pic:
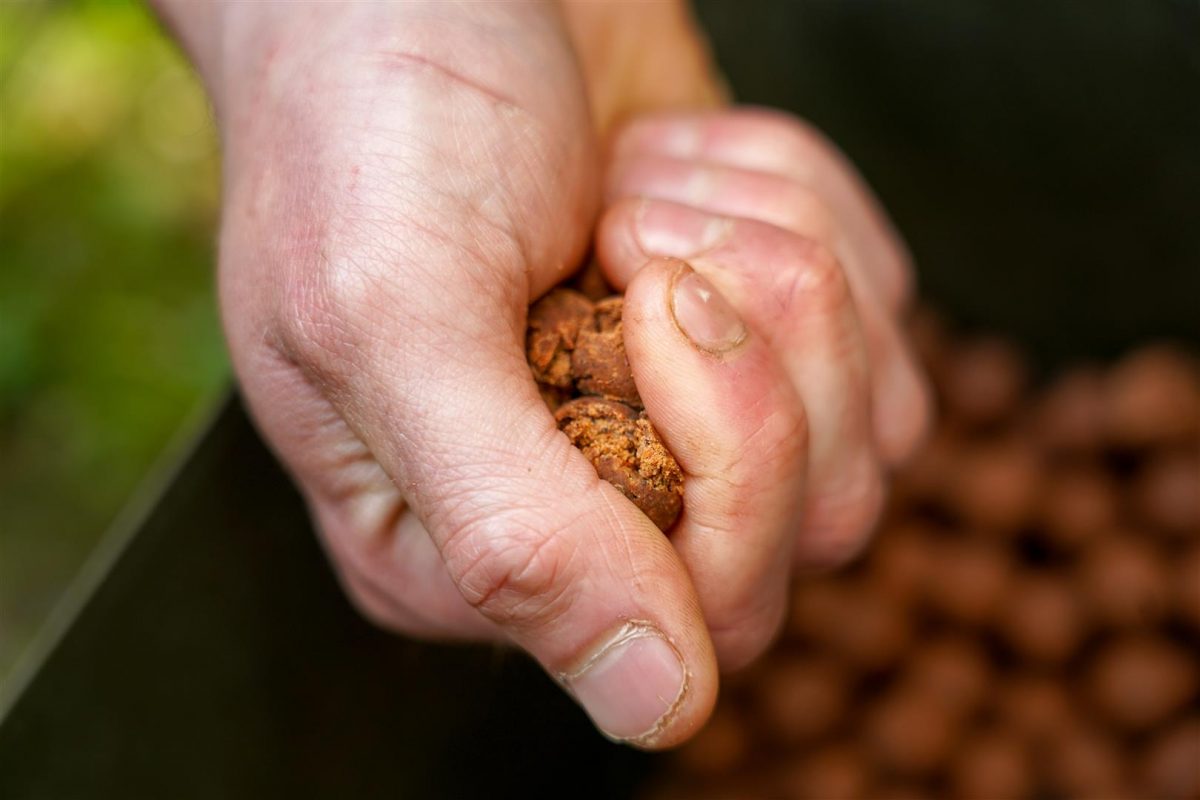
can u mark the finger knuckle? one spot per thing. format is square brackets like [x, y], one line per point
[776, 448]
[350, 557]
[899, 282]
[917, 418]
[625, 132]
[801, 140]
[760, 471]
[631, 135]
[808, 212]
[515, 573]
[813, 282]
[839, 523]
[374, 607]
[746, 631]
[315, 316]
[923, 413]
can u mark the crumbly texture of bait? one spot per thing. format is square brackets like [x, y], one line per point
[576, 350]
[552, 333]
[598, 361]
[627, 452]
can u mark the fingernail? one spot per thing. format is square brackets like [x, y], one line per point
[667, 229]
[704, 316]
[632, 685]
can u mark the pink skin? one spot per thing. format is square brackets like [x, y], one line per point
[740, 435]
[764, 166]
[793, 294]
[401, 181]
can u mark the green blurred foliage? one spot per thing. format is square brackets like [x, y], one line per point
[108, 330]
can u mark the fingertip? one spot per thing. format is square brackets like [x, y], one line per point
[636, 229]
[902, 405]
[742, 641]
[904, 425]
[696, 705]
[617, 248]
[609, 610]
[839, 524]
[674, 133]
[647, 290]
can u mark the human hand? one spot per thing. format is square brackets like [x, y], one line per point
[776, 219]
[400, 183]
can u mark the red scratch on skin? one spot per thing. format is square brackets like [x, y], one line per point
[405, 59]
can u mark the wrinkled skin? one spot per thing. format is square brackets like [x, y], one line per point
[401, 181]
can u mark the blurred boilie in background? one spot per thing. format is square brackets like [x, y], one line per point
[1027, 622]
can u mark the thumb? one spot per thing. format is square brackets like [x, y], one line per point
[532, 538]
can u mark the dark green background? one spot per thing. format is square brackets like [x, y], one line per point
[108, 330]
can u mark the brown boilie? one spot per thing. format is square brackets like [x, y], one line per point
[553, 329]
[576, 351]
[626, 451]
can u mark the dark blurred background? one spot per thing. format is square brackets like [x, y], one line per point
[1041, 158]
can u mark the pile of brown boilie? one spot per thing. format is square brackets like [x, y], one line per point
[576, 350]
[1026, 624]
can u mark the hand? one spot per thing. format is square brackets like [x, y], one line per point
[776, 220]
[401, 181]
